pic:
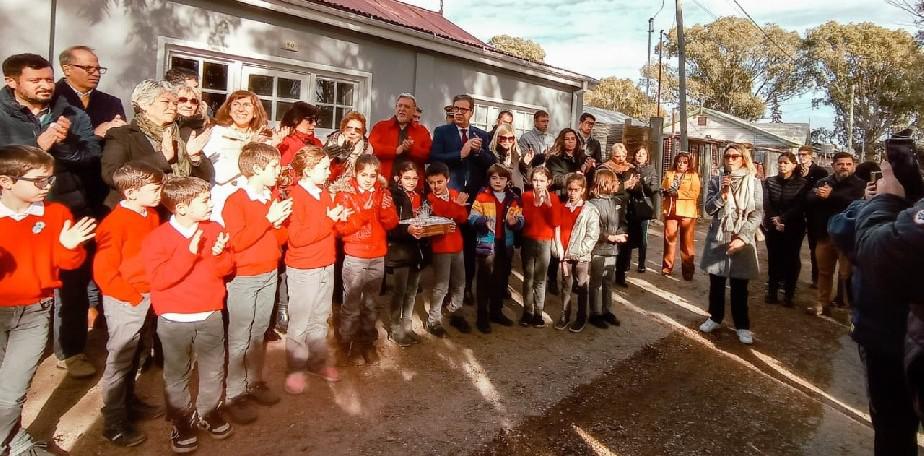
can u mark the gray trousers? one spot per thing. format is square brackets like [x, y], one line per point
[362, 279]
[204, 342]
[448, 277]
[403, 298]
[130, 330]
[571, 272]
[536, 256]
[23, 335]
[310, 294]
[602, 275]
[250, 304]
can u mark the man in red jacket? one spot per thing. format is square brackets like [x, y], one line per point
[400, 138]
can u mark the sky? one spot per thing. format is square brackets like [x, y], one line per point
[601, 38]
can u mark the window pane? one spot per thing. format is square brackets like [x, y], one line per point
[341, 112]
[214, 100]
[281, 108]
[481, 116]
[288, 88]
[326, 117]
[260, 84]
[214, 76]
[324, 92]
[189, 64]
[268, 107]
[345, 94]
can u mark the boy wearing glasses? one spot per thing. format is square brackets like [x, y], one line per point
[39, 240]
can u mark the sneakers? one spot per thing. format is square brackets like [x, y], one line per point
[745, 336]
[598, 321]
[77, 366]
[642, 269]
[562, 322]
[578, 325]
[459, 322]
[139, 410]
[123, 435]
[538, 321]
[526, 319]
[610, 318]
[501, 319]
[261, 394]
[484, 326]
[215, 425]
[329, 374]
[708, 326]
[183, 438]
[436, 329]
[240, 410]
[295, 383]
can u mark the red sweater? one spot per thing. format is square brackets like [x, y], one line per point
[255, 244]
[312, 239]
[450, 242]
[291, 144]
[540, 221]
[568, 219]
[118, 268]
[384, 140]
[364, 233]
[180, 281]
[31, 256]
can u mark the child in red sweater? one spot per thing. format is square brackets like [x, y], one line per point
[118, 270]
[186, 263]
[310, 262]
[253, 220]
[39, 239]
[542, 214]
[448, 263]
[364, 241]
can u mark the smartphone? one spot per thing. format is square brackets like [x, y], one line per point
[874, 176]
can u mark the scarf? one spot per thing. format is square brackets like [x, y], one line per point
[738, 205]
[180, 163]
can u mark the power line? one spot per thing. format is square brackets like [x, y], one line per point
[703, 7]
[764, 32]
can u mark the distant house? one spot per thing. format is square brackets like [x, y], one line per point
[709, 131]
[341, 55]
[615, 127]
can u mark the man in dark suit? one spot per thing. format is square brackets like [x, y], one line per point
[464, 149]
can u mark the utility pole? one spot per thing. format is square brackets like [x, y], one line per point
[682, 67]
[660, 55]
[850, 123]
[648, 80]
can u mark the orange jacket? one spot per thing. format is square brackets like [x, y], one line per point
[686, 204]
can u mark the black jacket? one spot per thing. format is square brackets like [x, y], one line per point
[102, 107]
[561, 166]
[815, 173]
[76, 158]
[612, 221]
[128, 143]
[403, 249]
[819, 210]
[785, 198]
[592, 148]
[890, 255]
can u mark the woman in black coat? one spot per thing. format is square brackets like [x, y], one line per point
[784, 228]
[152, 137]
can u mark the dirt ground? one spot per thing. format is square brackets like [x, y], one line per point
[653, 386]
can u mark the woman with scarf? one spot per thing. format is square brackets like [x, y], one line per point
[680, 206]
[152, 137]
[343, 147]
[735, 200]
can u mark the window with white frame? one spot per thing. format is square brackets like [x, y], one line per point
[276, 87]
[485, 117]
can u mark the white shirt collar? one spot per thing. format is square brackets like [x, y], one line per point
[572, 207]
[79, 93]
[186, 232]
[143, 212]
[37, 209]
[262, 197]
[312, 189]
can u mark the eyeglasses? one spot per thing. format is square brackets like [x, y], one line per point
[683, 162]
[732, 156]
[40, 183]
[804, 154]
[460, 109]
[507, 139]
[194, 101]
[91, 69]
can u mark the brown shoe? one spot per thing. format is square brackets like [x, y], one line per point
[687, 270]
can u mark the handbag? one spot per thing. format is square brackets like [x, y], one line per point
[641, 209]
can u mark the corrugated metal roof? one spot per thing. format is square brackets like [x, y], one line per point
[405, 15]
[611, 117]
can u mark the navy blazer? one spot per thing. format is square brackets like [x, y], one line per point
[465, 175]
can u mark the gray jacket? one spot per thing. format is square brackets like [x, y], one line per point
[584, 235]
[714, 260]
[612, 212]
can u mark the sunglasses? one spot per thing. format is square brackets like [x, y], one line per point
[507, 138]
[40, 183]
[194, 101]
[732, 156]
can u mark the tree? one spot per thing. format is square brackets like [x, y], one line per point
[916, 9]
[881, 66]
[823, 135]
[732, 67]
[518, 47]
[619, 94]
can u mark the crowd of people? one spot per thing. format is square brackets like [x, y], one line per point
[213, 231]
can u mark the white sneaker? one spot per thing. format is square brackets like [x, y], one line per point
[745, 336]
[708, 326]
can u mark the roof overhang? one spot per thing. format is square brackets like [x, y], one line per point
[359, 23]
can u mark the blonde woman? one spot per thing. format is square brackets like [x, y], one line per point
[680, 190]
[735, 202]
[507, 152]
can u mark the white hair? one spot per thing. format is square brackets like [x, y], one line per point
[147, 91]
[406, 95]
